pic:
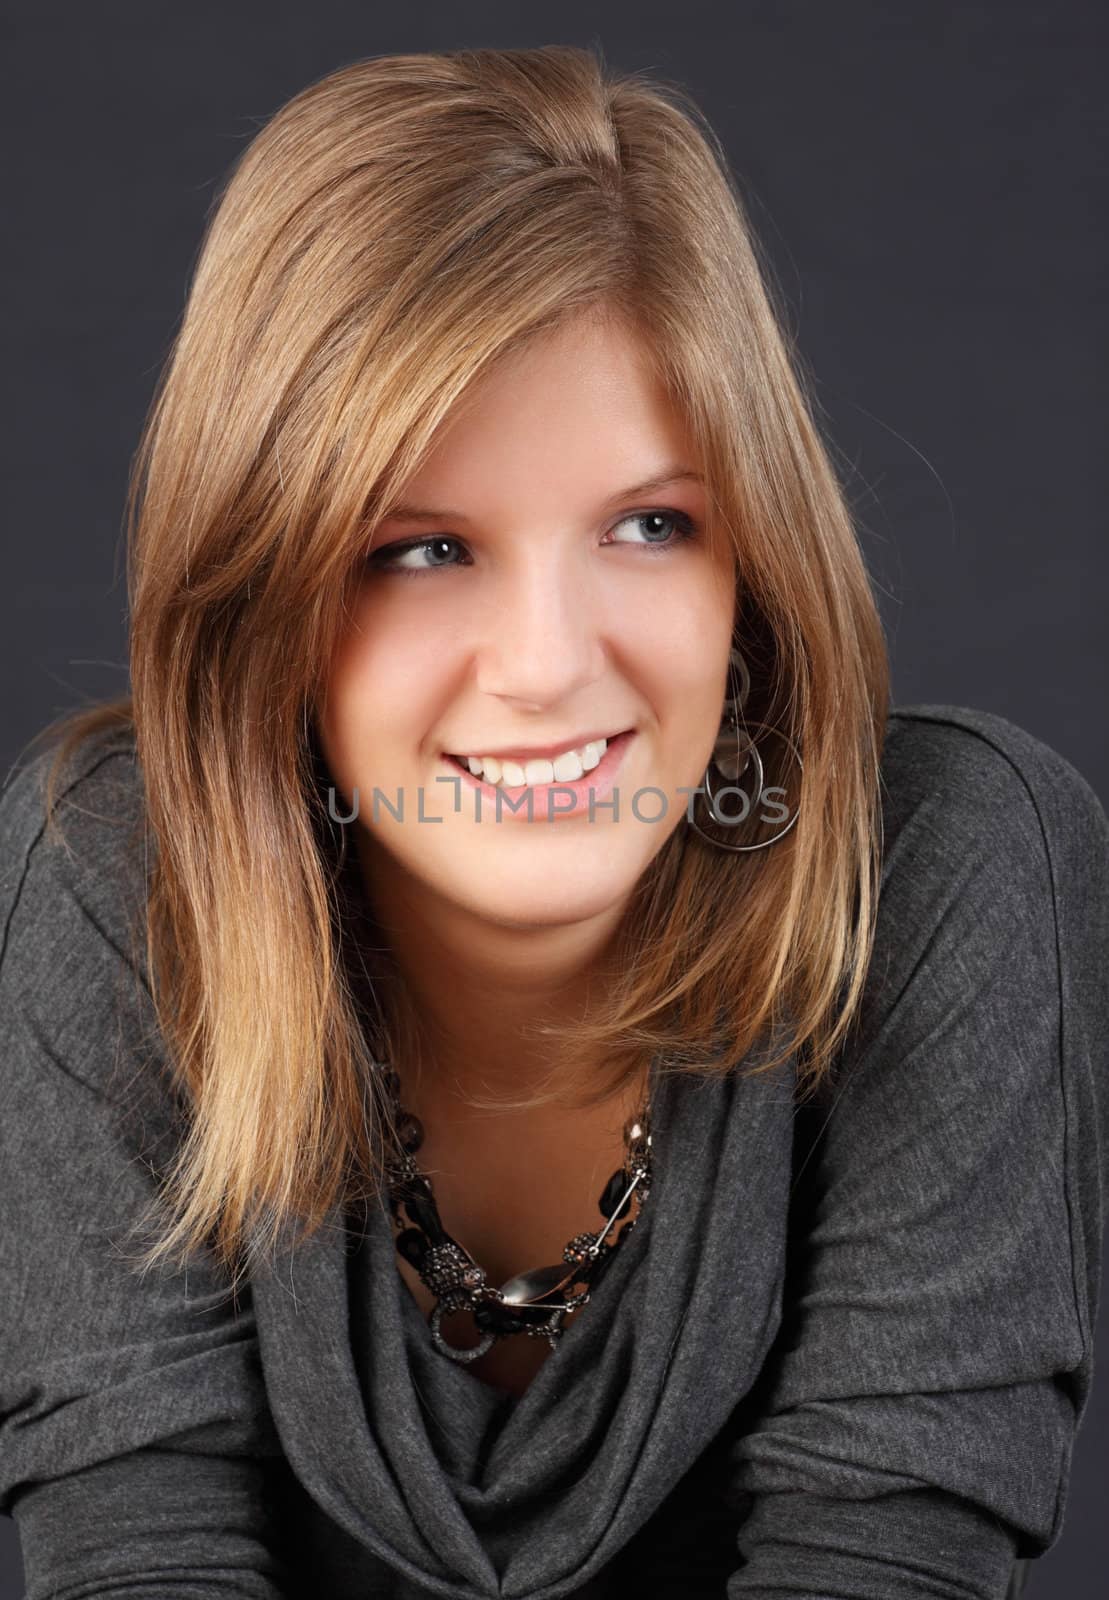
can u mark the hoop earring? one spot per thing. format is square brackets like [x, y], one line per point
[734, 752]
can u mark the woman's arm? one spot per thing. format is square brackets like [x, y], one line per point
[136, 1445]
[935, 1358]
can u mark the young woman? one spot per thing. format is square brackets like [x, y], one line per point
[621, 1108]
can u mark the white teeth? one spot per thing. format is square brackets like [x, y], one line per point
[566, 768]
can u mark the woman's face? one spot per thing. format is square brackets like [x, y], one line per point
[538, 602]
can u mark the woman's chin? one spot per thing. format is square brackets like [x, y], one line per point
[538, 897]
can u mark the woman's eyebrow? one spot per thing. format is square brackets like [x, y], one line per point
[405, 512]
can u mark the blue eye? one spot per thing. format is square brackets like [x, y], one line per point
[415, 558]
[388, 559]
[684, 526]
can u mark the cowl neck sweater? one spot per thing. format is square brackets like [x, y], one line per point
[472, 1491]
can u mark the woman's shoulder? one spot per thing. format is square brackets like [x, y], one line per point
[995, 867]
[959, 778]
[99, 794]
[70, 901]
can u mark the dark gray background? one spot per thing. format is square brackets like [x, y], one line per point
[929, 179]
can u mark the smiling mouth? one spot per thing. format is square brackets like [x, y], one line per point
[572, 767]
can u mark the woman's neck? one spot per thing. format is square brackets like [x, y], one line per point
[479, 992]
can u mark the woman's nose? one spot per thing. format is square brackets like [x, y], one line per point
[541, 640]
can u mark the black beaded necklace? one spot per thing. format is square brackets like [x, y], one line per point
[535, 1302]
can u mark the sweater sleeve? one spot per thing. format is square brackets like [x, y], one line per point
[136, 1445]
[916, 1419]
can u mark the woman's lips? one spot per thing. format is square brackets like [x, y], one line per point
[529, 802]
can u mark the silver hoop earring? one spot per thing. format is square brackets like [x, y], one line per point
[734, 752]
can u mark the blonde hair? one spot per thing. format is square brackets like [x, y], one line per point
[397, 227]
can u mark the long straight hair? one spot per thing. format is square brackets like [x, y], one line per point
[394, 230]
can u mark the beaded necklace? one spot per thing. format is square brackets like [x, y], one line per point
[533, 1303]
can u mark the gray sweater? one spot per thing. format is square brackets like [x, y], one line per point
[845, 1352]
